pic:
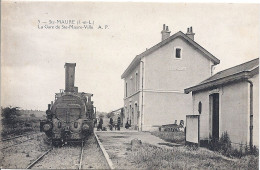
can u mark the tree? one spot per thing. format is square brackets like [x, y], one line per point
[111, 114]
[10, 115]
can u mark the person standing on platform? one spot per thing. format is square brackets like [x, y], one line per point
[100, 123]
[111, 122]
[118, 123]
[95, 122]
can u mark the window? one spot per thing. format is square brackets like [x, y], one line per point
[178, 53]
[200, 107]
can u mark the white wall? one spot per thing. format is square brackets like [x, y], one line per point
[165, 108]
[234, 116]
[233, 111]
[164, 71]
[202, 97]
[255, 81]
[166, 78]
[132, 98]
[192, 129]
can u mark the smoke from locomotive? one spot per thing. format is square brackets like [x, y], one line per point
[71, 117]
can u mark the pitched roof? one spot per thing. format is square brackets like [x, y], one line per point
[242, 71]
[137, 59]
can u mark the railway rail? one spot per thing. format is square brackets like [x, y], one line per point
[20, 142]
[108, 160]
[38, 159]
[84, 155]
[19, 136]
[81, 155]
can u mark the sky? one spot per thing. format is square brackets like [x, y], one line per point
[33, 58]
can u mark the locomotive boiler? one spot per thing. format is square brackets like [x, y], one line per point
[71, 116]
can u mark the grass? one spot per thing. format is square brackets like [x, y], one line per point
[174, 137]
[16, 122]
[15, 131]
[152, 157]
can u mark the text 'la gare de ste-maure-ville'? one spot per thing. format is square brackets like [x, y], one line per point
[70, 24]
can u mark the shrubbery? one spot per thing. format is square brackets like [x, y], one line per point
[223, 145]
[151, 157]
[10, 116]
[13, 123]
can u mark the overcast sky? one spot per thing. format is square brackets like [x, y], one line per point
[32, 60]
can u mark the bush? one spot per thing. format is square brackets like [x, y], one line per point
[15, 124]
[10, 115]
[223, 145]
[111, 114]
[255, 151]
[152, 157]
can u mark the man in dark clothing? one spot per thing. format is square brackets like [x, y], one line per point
[127, 124]
[95, 122]
[111, 123]
[118, 123]
[100, 123]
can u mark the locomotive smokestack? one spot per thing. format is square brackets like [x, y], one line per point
[69, 77]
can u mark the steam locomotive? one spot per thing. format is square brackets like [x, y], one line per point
[71, 117]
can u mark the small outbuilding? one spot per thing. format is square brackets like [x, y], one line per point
[228, 102]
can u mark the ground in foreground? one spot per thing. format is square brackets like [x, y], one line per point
[150, 155]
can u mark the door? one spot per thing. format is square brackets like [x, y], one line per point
[215, 115]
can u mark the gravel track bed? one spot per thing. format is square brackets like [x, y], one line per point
[68, 156]
[93, 157]
[21, 155]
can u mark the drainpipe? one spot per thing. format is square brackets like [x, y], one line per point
[251, 115]
[211, 69]
[142, 108]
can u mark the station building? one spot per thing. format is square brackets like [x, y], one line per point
[155, 80]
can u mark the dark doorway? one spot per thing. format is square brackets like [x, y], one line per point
[215, 116]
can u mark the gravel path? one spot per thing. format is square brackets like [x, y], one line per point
[118, 145]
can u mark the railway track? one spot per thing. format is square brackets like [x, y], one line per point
[78, 165]
[38, 159]
[84, 156]
[15, 144]
[81, 155]
[20, 142]
[19, 136]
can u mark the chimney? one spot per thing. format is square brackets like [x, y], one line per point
[190, 33]
[69, 77]
[165, 32]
